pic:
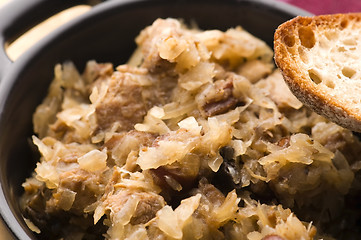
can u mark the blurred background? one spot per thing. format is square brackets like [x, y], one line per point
[327, 6]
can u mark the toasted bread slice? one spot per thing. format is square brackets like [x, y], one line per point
[320, 59]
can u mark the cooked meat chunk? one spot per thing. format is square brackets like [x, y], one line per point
[219, 98]
[149, 41]
[148, 206]
[145, 207]
[126, 102]
[87, 186]
[272, 237]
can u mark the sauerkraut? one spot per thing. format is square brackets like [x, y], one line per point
[196, 137]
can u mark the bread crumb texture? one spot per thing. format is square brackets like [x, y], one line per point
[320, 60]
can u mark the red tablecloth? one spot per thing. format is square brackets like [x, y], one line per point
[327, 6]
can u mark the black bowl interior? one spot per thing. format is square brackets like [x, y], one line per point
[105, 34]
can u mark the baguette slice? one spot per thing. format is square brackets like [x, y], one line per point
[320, 59]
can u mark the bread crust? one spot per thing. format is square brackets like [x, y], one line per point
[327, 98]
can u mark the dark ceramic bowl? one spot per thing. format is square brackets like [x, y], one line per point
[105, 33]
